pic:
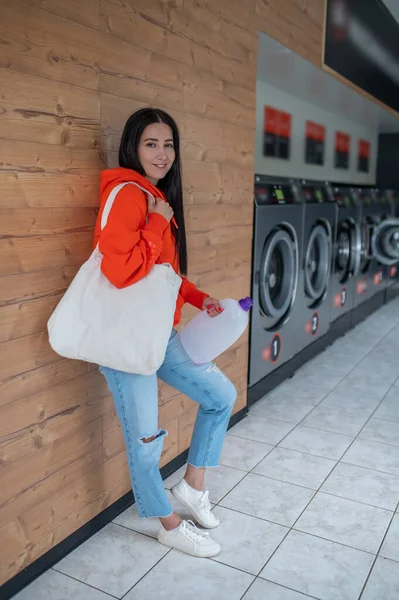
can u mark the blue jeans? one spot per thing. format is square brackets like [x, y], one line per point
[136, 401]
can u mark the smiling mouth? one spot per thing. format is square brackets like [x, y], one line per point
[161, 166]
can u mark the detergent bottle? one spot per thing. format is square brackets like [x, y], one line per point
[204, 338]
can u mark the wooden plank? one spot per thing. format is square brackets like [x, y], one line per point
[200, 175]
[169, 411]
[204, 218]
[46, 517]
[221, 236]
[57, 403]
[283, 26]
[200, 152]
[22, 222]
[35, 108]
[229, 70]
[50, 486]
[171, 443]
[25, 318]
[41, 378]
[39, 420]
[217, 106]
[215, 133]
[87, 12]
[214, 276]
[20, 475]
[205, 260]
[186, 426]
[94, 52]
[22, 255]
[218, 196]
[40, 158]
[60, 188]
[199, 33]
[14, 539]
[77, 519]
[30, 286]
[24, 354]
[233, 11]
[150, 26]
[237, 178]
[36, 42]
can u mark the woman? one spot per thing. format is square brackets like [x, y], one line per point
[140, 233]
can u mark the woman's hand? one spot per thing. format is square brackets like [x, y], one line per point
[212, 306]
[160, 207]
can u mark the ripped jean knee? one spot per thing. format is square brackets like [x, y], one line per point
[149, 449]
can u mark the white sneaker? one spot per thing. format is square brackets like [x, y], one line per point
[197, 503]
[187, 538]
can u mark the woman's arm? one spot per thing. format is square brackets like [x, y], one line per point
[191, 294]
[129, 245]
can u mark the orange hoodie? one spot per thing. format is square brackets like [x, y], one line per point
[131, 243]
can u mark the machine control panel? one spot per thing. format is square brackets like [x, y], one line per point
[382, 197]
[343, 197]
[269, 193]
[366, 196]
[314, 194]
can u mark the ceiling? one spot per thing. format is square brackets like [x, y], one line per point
[282, 68]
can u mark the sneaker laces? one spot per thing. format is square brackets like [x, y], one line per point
[190, 530]
[204, 502]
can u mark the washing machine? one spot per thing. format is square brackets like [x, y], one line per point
[386, 242]
[315, 284]
[276, 321]
[346, 253]
[371, 281]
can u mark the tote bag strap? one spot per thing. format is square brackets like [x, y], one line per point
[112, 196]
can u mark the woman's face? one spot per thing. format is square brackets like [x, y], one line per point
[156, 151]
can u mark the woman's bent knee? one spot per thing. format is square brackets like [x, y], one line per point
[224, 392]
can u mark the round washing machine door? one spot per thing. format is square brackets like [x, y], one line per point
[385, 242]
[365, 244]
[318, 261]
[348, 250]
[278, 273]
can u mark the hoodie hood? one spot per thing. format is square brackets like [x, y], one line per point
[112, 177]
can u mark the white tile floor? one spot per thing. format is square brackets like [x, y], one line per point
[307, 495]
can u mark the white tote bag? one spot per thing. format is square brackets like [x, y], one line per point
[125, 329]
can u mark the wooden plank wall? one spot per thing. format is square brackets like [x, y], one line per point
[70, 73]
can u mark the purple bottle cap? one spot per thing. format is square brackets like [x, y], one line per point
[246, 303]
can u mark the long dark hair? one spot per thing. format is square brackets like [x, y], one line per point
[171, 184]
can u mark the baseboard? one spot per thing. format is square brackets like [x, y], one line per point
[364, 310]
[53, 556]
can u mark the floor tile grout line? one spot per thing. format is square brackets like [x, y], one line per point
[288, 588]
[278, 585]
[386, 534]
[344, 462]
[147, 573]
[357, 501]
[376, 441]
[377, 556]
[320, 537]
[93, 587]
[357, 437]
